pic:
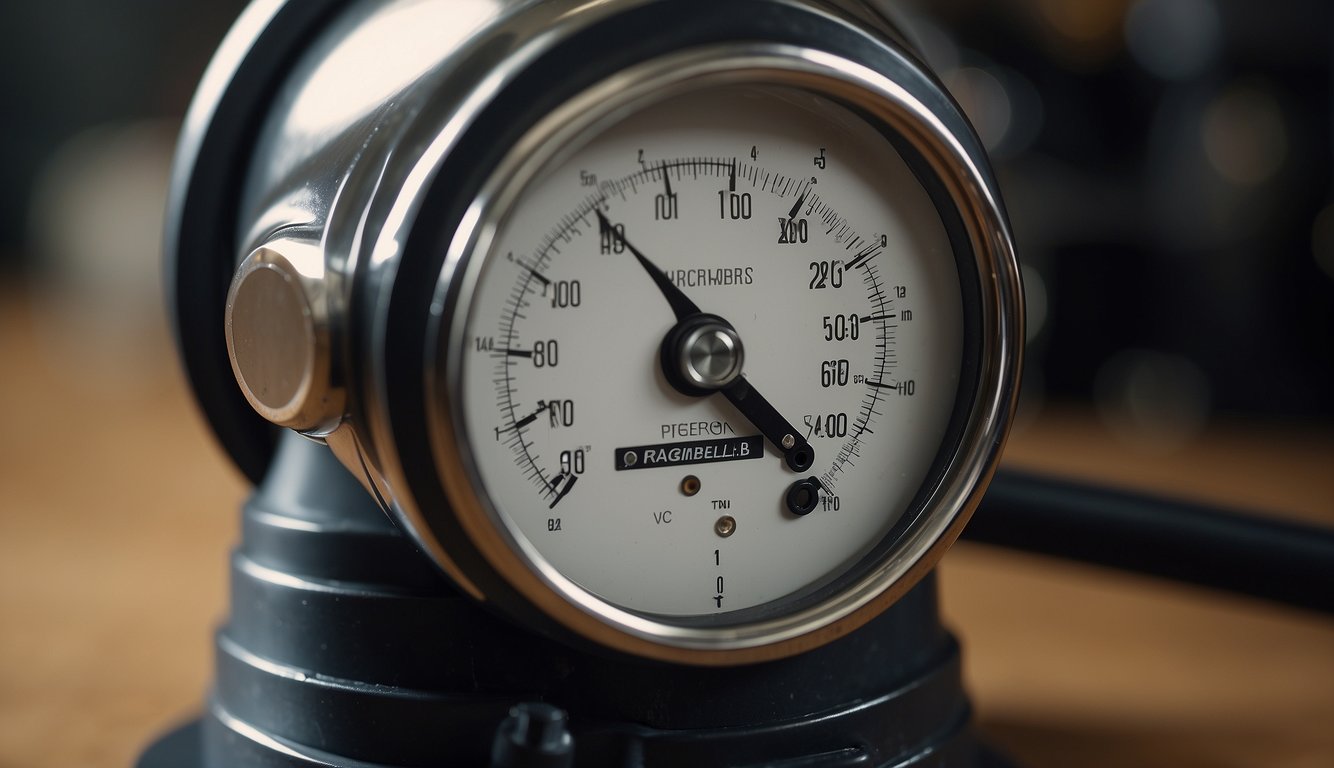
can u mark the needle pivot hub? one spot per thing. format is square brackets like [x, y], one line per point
[702, 354]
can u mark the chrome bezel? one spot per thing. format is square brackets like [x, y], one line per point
[961, 174]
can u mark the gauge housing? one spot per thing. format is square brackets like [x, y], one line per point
[413, 170]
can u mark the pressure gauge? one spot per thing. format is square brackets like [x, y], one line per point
[686, 330]
[702, 358]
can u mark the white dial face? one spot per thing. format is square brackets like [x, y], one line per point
[796, 225]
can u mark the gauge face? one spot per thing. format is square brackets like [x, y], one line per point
[712, 355]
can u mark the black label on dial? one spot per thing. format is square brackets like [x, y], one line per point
[691, 452]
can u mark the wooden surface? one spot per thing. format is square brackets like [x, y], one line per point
[118, 511]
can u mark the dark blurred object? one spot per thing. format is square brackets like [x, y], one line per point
[72, 64]
[1167, 165]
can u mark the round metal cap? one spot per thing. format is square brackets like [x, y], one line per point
[277, 326]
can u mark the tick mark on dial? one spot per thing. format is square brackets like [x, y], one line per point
[863, 256]
[525, 421]
[542, 278]
[796, 208]
[563, 491]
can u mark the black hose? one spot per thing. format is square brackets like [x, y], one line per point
[1249, 554]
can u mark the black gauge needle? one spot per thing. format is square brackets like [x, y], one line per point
[797, 453]
[681, 304]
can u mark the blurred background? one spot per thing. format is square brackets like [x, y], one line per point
[1167, 166]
